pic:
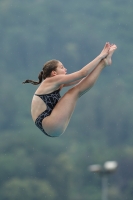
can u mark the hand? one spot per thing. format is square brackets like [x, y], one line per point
[105, 50]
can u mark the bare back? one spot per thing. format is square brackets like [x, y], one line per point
[38, 106]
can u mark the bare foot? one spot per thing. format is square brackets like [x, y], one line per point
[108, 60]
[105, 50]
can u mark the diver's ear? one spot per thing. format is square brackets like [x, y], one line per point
[53, 73]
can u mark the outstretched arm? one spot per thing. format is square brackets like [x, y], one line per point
[72, 83]
[85, 71]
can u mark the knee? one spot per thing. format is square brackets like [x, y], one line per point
[55, 133]
[54, 130]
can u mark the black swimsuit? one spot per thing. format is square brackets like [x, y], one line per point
[50, 100]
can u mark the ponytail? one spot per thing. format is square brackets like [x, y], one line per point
[46, 71]
[40, 77]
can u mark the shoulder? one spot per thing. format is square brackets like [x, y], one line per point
[54, 81]
[47, 86]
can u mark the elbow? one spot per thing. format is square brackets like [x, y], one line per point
[84, 73]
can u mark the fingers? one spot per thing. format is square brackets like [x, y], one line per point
[110, 46]
[107, 45]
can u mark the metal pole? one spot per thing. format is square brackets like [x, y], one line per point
[104, 187]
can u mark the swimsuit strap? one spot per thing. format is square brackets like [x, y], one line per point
[54, 92]
[50, 99]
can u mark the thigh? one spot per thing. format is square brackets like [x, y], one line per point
[57, 122]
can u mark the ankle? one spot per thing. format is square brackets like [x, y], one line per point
[103, 63]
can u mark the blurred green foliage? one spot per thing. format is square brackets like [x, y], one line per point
[33, 166]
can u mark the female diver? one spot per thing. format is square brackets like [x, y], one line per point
[50, 112]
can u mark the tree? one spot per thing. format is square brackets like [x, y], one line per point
[31, 189]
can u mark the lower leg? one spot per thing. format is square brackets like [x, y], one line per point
[85, 84]
[90, 80]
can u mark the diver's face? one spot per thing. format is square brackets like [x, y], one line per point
[61, 69]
